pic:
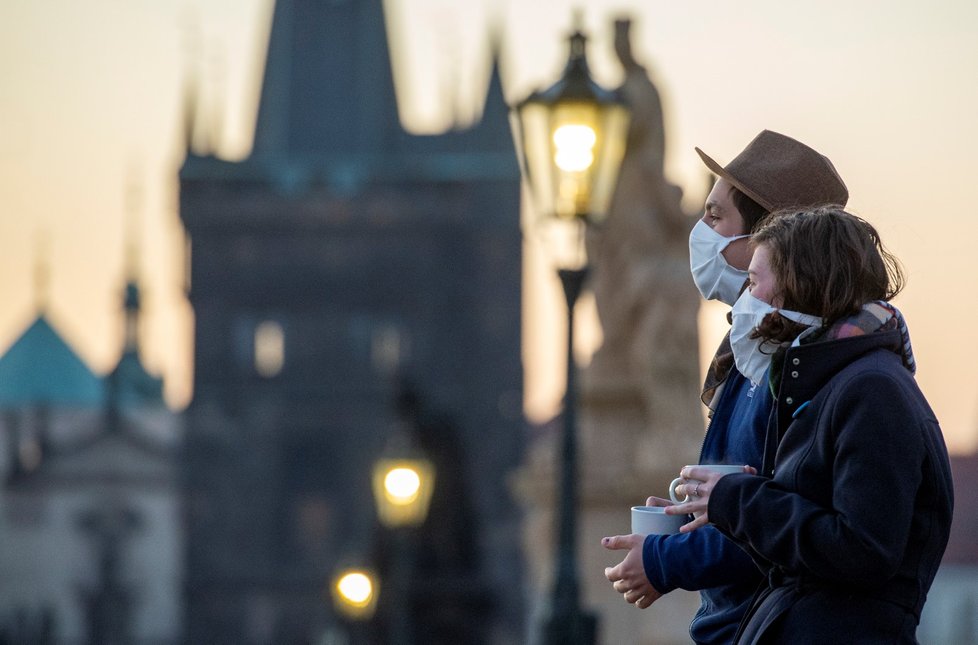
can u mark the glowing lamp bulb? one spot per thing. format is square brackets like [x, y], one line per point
[355, 588]
[402, 485]
[575, 147]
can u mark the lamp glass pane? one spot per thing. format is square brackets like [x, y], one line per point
[575, 140]
[534, 127]
[614, 127]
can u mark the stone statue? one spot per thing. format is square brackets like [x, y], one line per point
[646, 301]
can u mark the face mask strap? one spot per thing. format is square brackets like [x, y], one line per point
[730, 240]
[800, 318]
[707, 230]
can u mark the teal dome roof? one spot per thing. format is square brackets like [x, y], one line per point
[40, 368]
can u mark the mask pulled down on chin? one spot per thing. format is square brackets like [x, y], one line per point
[715, 279]
[749, 353]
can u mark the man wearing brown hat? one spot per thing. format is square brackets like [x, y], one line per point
[774, 172]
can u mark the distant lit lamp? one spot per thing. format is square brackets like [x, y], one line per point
[570, 139]
[403, 481]
[402, 484]
[354, 591]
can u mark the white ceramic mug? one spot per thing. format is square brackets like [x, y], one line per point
[717, 468]
[652, 519]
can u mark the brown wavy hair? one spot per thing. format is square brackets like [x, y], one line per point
[826, 262]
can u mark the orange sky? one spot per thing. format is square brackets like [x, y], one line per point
[89, 109]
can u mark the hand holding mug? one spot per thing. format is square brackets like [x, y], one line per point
[695, 483]
[628, 577]
[689, 483]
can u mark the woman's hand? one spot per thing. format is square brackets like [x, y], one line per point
[699, 484]
[628, 578]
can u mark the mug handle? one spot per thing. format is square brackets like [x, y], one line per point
[672, 491]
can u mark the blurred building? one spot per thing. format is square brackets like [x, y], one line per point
[346, 278]
[951, 612]
[91, 541]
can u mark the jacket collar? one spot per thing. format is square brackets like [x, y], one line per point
[807, 368]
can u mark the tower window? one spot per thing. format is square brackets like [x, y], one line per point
[386, 350]
[269, 348]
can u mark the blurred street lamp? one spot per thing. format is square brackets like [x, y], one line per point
[354, 591]
[403, 481]
[570, 139]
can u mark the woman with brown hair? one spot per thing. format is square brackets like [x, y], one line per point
[851, 512]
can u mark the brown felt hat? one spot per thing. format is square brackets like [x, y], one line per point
[778, 172]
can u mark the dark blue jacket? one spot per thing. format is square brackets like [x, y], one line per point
[705, 560]
[852, 520]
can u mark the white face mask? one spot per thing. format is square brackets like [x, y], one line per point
[715, 279]
[750, 355]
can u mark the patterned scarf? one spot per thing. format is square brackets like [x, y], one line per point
[874, 317]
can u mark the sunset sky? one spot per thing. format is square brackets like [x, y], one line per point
[90, 139]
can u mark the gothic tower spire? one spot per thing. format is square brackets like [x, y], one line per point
[328, 87]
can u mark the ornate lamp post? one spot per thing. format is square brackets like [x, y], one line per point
[571, 139]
